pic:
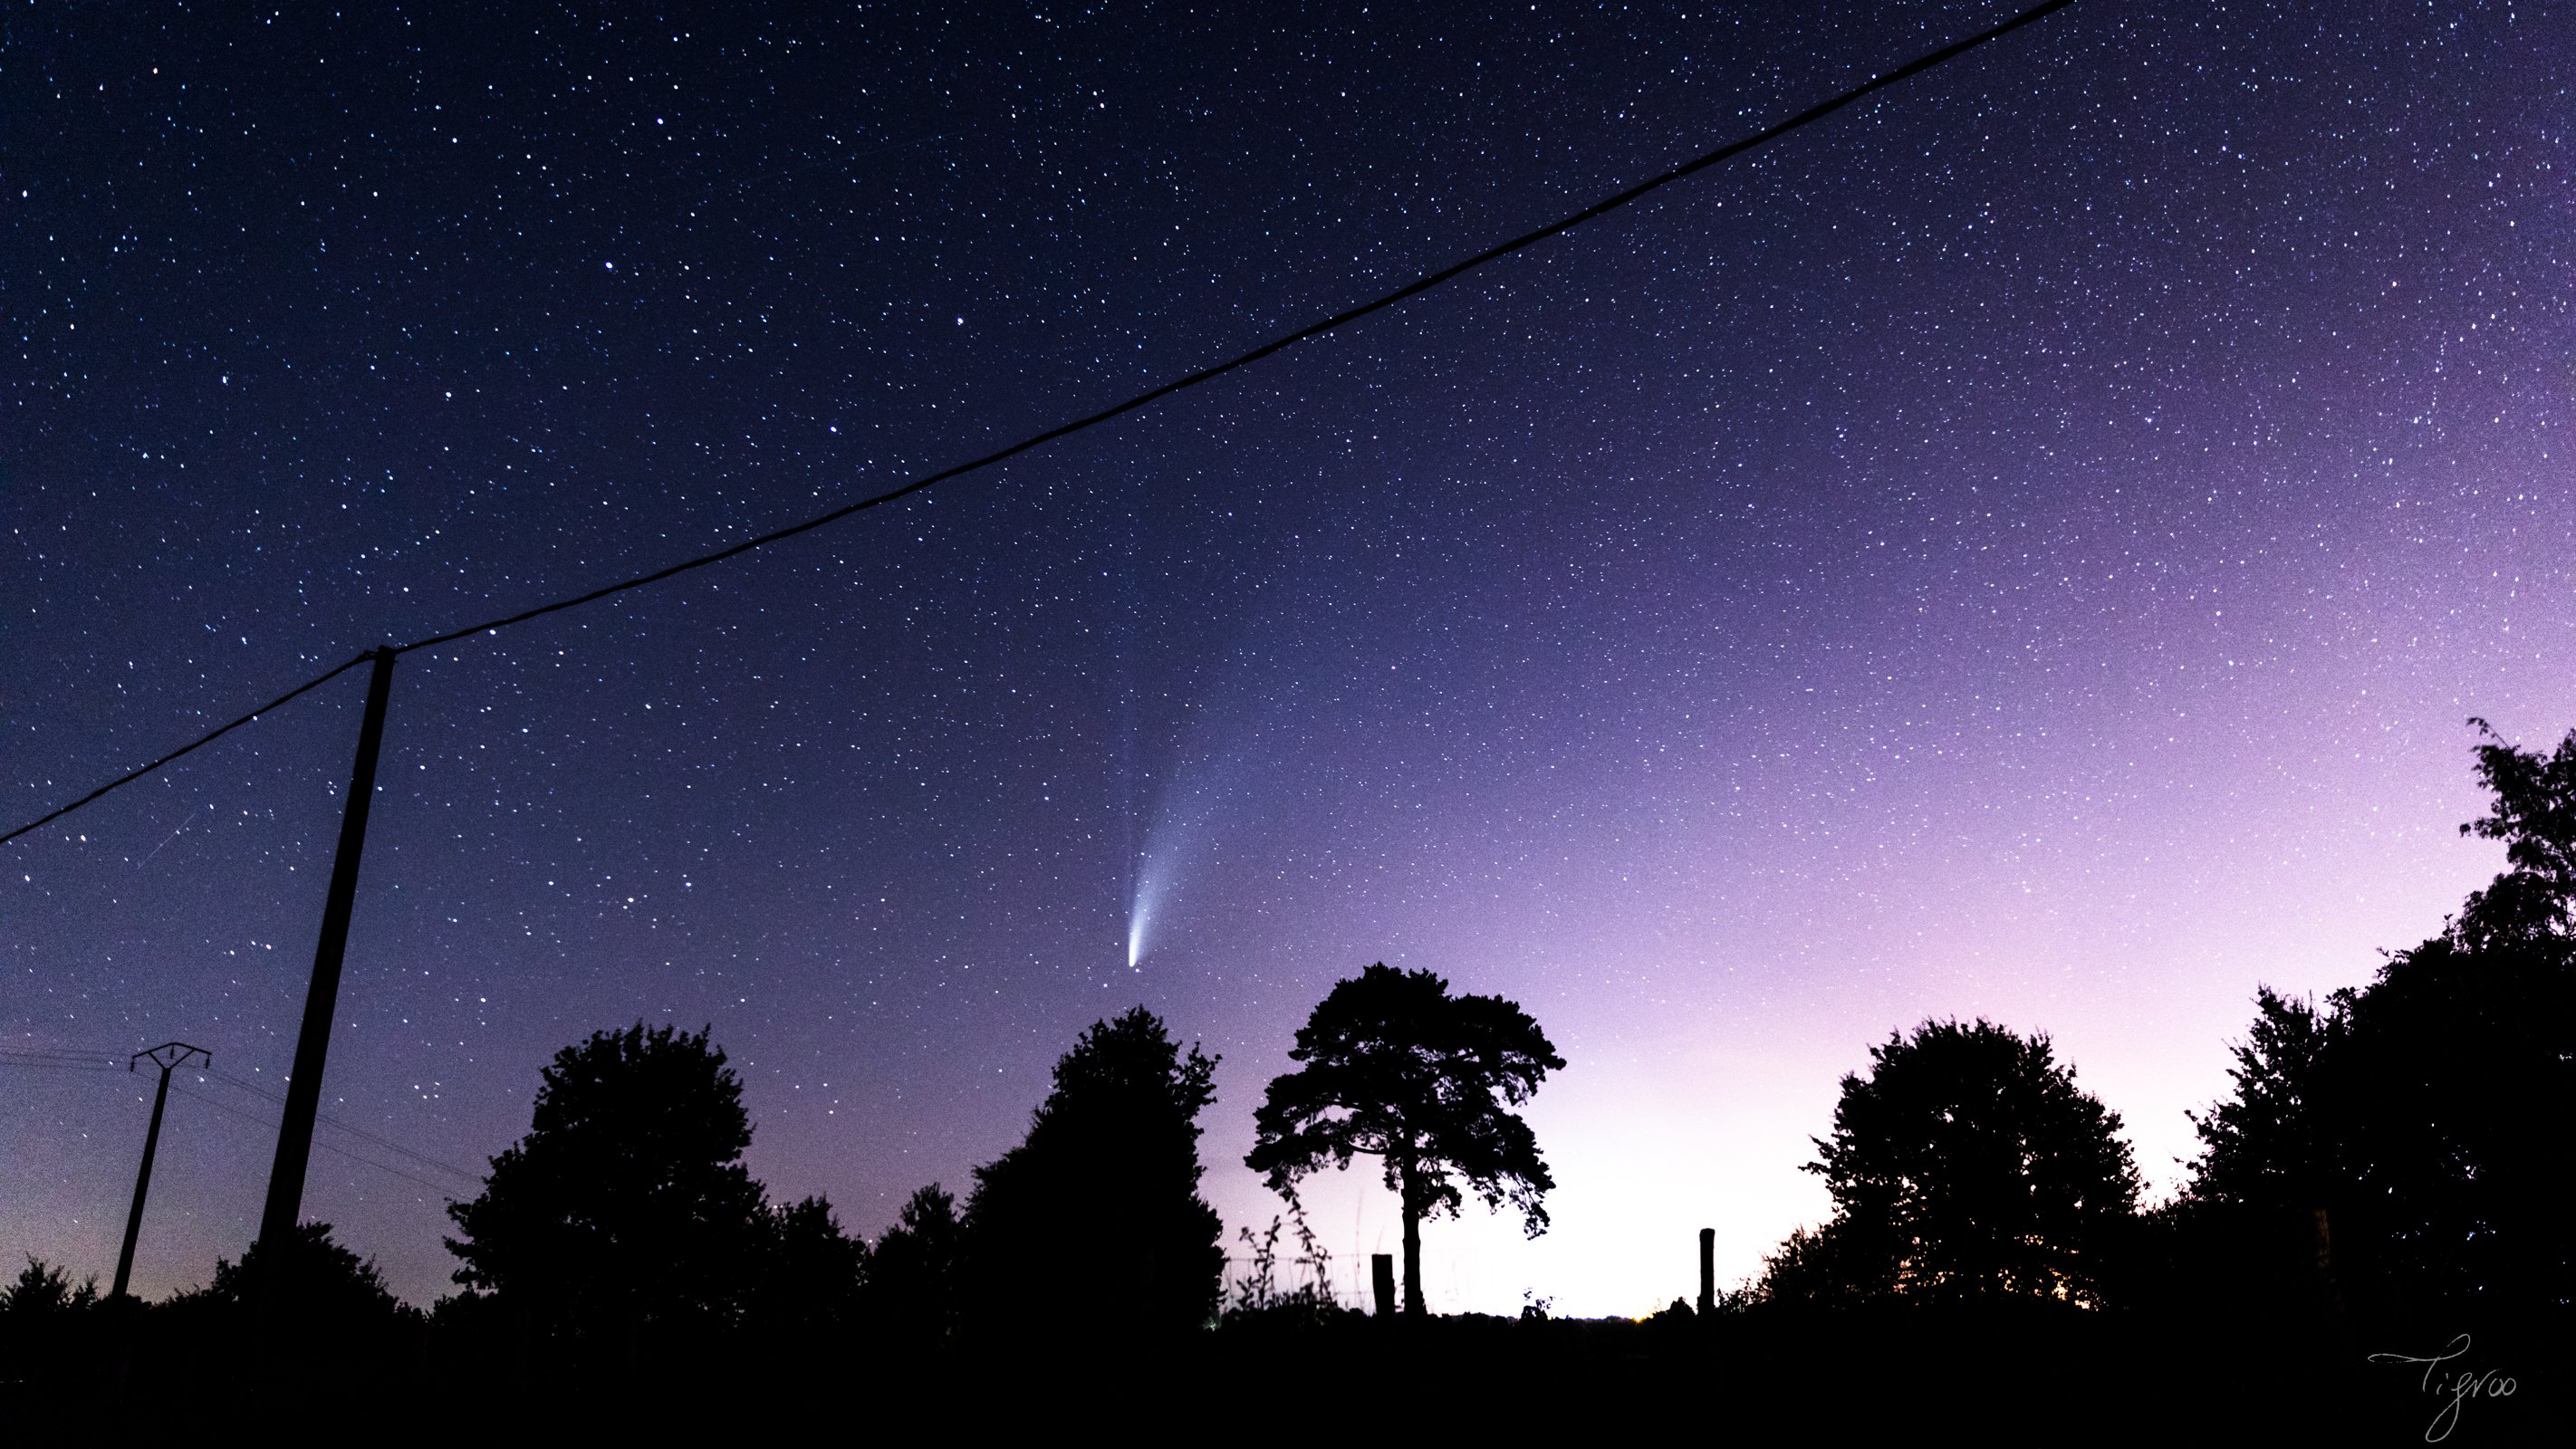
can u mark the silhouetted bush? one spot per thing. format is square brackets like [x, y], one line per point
[1263, 1301]
[306, 1305]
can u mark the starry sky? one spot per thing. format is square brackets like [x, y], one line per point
[2024, 547]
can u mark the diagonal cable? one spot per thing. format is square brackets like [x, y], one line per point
[200, 742]
[278, 1100]
[1414, 288]
[258, 1120]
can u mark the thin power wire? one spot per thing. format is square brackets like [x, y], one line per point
[423, 1158]
[1340, 319]
[342, 1124]
[258, 1120]
[198, 743]
[74, 1062]
[1409, 290]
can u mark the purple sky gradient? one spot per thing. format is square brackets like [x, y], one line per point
[2026, 548]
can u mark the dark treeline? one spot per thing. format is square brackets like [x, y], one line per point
[623, 1235]
[2384, 1160]
[623, 1243]
[2388, 1150]
[2372, 1228]
[2377, 1182]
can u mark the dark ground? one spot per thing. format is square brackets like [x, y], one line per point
[2059, 1377]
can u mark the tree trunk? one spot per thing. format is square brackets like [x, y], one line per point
[1412, 1244]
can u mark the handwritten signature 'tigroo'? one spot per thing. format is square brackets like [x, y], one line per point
[2459, 1387]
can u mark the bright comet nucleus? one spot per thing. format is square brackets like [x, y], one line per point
[1140, 919]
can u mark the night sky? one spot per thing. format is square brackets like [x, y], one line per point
[2024, 547]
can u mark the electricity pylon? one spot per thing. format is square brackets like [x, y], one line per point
[165, 1056]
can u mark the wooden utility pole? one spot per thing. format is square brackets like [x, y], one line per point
[1707, 1271]
[165, 1056]
[313, 1043]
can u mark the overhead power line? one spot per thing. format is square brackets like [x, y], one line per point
[84, 1062]
[73, 1055]
[278, 1099]
[1409, 290]
[262, 1120]
[200, 742]
[106, 1062]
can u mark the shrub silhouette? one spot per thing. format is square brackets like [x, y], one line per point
[309, 1276]
[305, 1299]
[1260, 1298]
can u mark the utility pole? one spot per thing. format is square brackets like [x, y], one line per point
[165, 1056]
[304, 1089]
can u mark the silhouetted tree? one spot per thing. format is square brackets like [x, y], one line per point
[911, 1288]
[42, 1290]
[47, 1326]
[2405, 1133]
[1399, 1069]
[2246, 1225]
[313, 1279]
[1808, 1269]
[1966, 1165]
[807, 1294]
[306, 1296]
[2450, 1091]
[2444, 1100]
[2266, 1145]
[2534, 901]
[627, 1208]
[1097, 1214]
